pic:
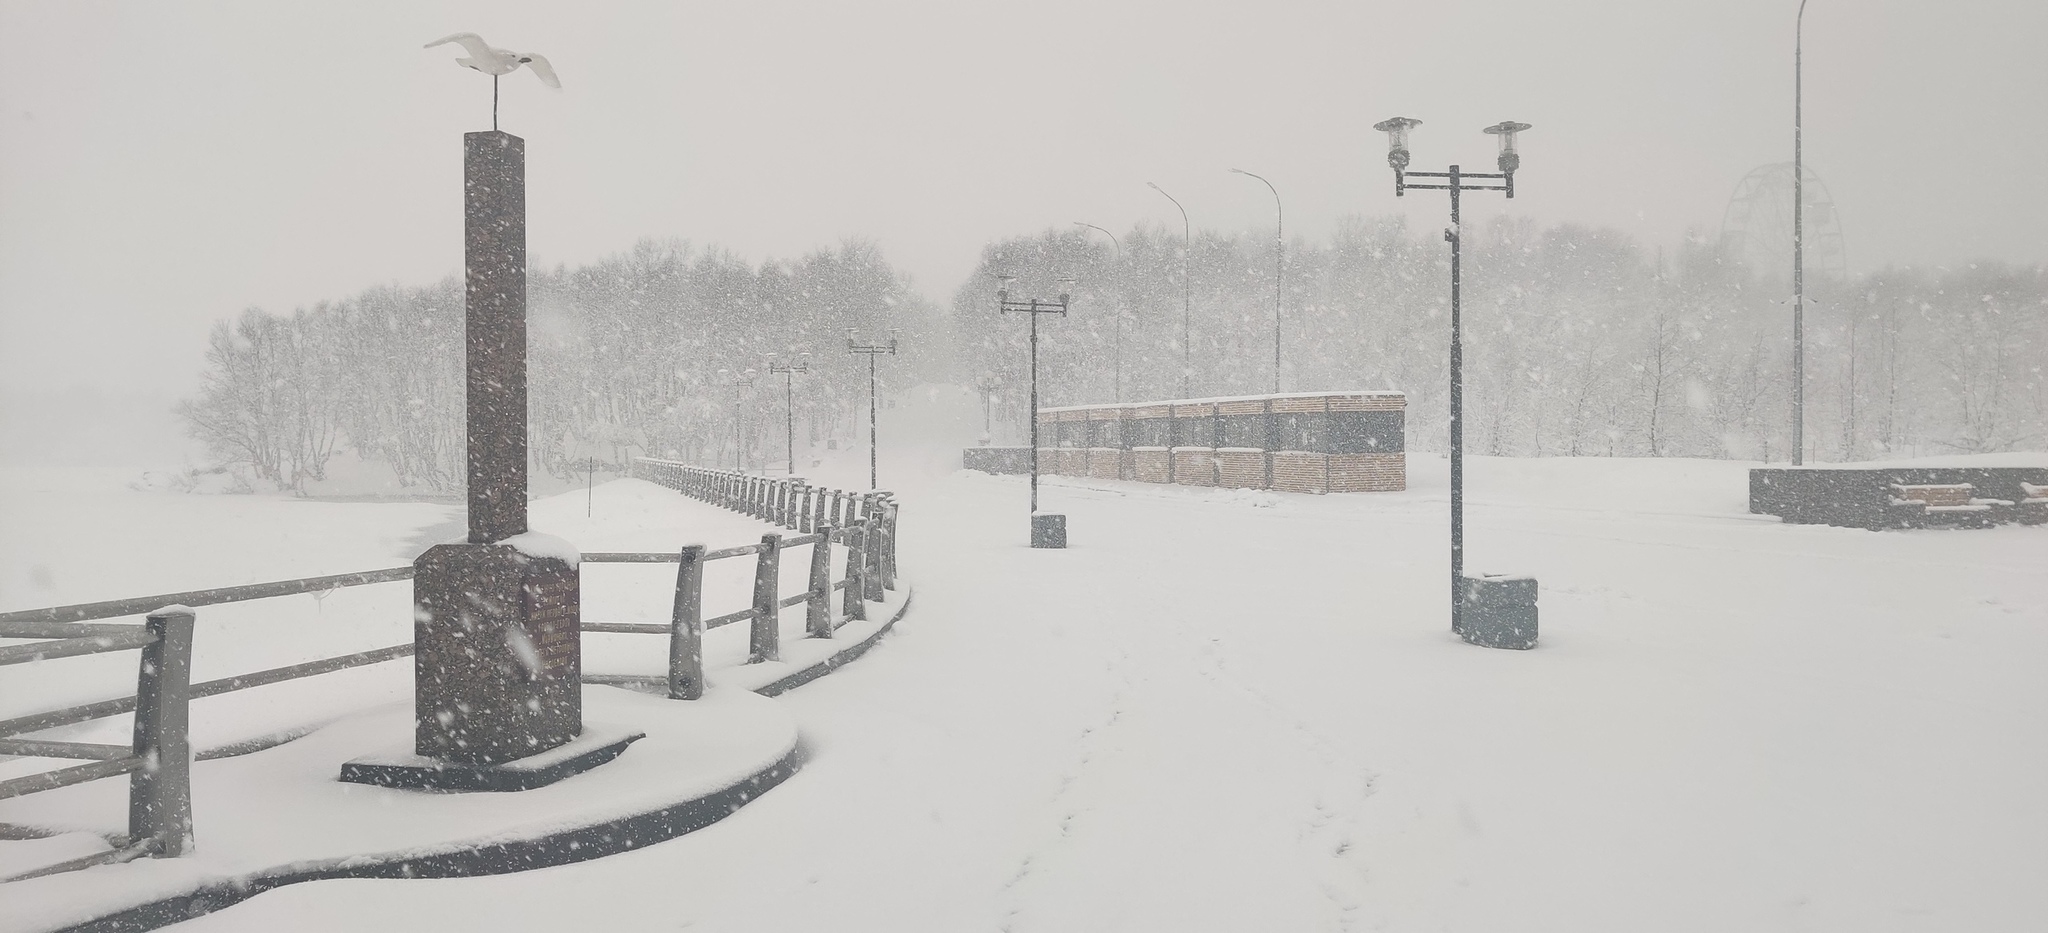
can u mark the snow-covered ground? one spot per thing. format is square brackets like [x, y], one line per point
[1243, 711]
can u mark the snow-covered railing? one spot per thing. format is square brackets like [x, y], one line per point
[159, 760]
[790, 502]
[863, 580]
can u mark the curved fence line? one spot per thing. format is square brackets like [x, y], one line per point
[158, 762]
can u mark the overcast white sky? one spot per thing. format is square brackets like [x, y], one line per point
[166, 164]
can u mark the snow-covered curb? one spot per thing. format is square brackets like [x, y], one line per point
[279, 817]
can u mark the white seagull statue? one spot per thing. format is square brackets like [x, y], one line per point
[496, 62]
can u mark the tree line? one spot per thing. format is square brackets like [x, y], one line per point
[624, 358]
[1578, 341]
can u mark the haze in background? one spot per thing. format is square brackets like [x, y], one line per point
[166, 165]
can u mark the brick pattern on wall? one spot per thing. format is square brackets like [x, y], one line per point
[1368, 472]
[1107, 462]
[1194, 466]
[1148, 464]
[1368, 403]
[1296, 471]
[1241, 469]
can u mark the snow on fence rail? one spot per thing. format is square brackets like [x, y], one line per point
[158, 762]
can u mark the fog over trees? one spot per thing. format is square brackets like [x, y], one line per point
[623, 360]
[1580, 342]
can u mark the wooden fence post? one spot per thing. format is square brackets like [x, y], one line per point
[160, 794]
[889, 544]
[852, 606]
[871, 568]
[818, 612]
[686, 628]
[803, 510]
[765, 644]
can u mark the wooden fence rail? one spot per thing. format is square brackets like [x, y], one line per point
[158, 761]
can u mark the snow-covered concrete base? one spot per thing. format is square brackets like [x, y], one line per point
[278, 816]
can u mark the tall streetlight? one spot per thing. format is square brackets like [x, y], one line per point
[1187, 299]
[1279, 257]
[789, 371]
[738, 381]
[1798, 247]
[988, 386]
[1116, 393]
[1500, 601]
[1047, 531]
[871, 351]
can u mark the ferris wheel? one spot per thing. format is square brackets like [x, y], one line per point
[1756, 229]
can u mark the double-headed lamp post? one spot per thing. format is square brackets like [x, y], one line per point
[1498, 600]
[871, 351]
[789, 371]
[988, 385]
[1049, 531]
[738, 381]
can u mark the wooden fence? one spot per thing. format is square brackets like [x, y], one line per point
[158, 761]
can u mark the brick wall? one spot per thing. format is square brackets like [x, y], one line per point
[1107, 462]
[1368, 472]
[1298, 471]
[1148, 464]
[1241, 468]
[1194, 466]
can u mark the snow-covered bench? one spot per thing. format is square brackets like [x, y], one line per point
[1944, 503]
[2033, 509]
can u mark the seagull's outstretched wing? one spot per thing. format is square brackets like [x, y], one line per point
[542, 69]
[473, 43]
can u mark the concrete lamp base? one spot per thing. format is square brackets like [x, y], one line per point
[1499, 611]
[1049, 531]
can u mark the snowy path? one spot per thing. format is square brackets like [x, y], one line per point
[1227, 711]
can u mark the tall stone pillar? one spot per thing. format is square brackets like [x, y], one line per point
[497, 642]
[494, 326]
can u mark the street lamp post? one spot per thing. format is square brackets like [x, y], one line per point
[1116, 392]
[738, 381]
[1498, 600]
[871, 351]
[1279, 259]
[988, 386]
[1047, 531]
[1798, 247]
[789, 371]
[1187, 299]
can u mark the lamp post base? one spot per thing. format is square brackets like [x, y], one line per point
[1049, 531]
[1498, 611]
